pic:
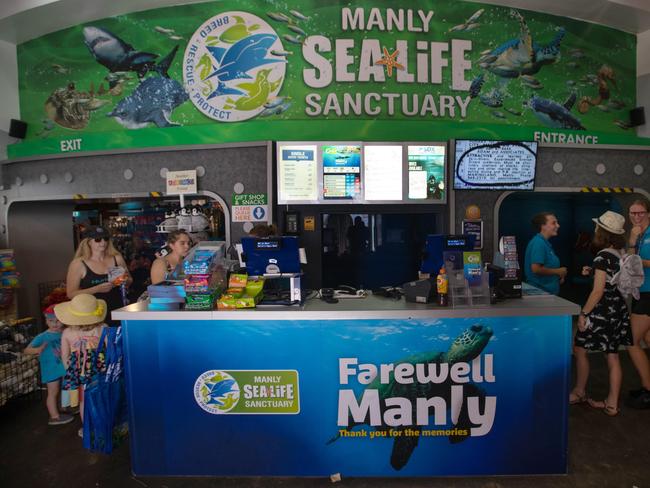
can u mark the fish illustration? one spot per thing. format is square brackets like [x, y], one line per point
[475, 87]
[512, 111]
[280, 52]
[297, 30]
[274, 102]
[278, 17]
[622, 124]
[235, 62]
[292, 39]
[162, 30]
[112, 52]
[176, 38]
[498, 114]
[493, 99]
[298, 15]
[552, 114]
[62, 70]
[275, 110]
[151, 102]
[469, 24]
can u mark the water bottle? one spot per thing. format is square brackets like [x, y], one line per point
[442, 285]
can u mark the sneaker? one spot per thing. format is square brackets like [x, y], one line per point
[63, 418]
[80, 432]
[641, 402]
[636, 393]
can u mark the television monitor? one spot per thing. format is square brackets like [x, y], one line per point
[342, 172]
[271, 255]
[297, 173]
[382, 172]
[494, 165]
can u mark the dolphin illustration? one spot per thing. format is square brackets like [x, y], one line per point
[235, 62]
[117, 55]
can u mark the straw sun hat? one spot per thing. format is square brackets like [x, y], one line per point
[611, 222]
[84, 309]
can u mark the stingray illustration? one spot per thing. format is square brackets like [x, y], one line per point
[235, 62]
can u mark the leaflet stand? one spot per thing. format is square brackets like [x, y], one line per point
[460, 291]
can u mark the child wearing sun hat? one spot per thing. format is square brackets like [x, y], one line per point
[84, 319]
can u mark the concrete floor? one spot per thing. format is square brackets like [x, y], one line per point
[603, 452]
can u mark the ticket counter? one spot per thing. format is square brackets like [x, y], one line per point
[367, 387]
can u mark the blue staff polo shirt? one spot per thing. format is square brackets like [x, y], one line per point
[540, 251]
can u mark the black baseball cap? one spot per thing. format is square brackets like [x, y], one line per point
[97, 232]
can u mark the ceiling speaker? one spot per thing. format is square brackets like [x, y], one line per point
[17, 129]
[637, 116]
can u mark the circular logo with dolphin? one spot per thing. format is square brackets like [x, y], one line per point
[230, 69]
[216, 392]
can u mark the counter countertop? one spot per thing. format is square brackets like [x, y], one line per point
[371, 307]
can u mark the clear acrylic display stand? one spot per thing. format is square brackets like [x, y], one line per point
[464, 295]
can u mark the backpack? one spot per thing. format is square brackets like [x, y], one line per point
[630, 276]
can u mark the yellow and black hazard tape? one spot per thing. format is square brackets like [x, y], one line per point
[606, 189]
[155, 194]
[79, 196]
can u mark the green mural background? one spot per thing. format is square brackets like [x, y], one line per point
[66, 94]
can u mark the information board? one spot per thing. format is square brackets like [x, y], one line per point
[297, 173]
[342, 172]
[426, 169]
[494, 165]
[383, 172]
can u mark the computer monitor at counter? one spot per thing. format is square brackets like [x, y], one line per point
[271, 255]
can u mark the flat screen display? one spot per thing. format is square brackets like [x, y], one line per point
[297, 173]
[426, 172]
[383, 172]
[342, 172]
[494, 165]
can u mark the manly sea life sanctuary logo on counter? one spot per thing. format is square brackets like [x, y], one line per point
[248, 392]
[230, 69]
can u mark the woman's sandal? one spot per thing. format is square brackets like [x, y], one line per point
[575, 399]
[609, 410]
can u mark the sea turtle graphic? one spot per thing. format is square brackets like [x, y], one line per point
[465, 348]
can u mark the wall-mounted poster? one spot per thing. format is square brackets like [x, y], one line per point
[342, 172]
[426, 172]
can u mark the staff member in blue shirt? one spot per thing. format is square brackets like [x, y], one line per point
[542, 266]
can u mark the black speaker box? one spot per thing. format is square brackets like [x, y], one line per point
[637, 116]
[17, 129]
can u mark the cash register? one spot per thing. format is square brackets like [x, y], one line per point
[278, 260]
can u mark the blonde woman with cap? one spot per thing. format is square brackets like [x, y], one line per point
[83, 317]
[604, 321]
[95, 261]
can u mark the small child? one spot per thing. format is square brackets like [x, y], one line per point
[84, 319]
[48, 347]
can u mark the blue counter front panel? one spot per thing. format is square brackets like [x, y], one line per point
[519, 386]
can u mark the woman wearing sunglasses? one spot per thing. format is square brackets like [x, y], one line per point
[89, 270]
[640, 243]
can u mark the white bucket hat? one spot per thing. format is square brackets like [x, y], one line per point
[611, 222]
[84, 309]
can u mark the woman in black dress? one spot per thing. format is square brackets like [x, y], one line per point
[604, 322]
[89, 270]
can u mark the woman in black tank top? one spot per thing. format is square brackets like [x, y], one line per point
[88, 271]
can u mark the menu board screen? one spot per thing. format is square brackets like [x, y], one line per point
[495, 165]
[297, 173]
[342, 172]
[426, 169]
[383, 172]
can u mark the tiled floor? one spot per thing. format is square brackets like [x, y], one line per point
[603, 452]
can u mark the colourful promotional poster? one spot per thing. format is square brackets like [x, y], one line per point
[251, 70]
[416, 397]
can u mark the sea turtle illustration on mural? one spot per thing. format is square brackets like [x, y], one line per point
[258, 92]
[522, 56]
[552, 114]
[238, 31]
[465, 348]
